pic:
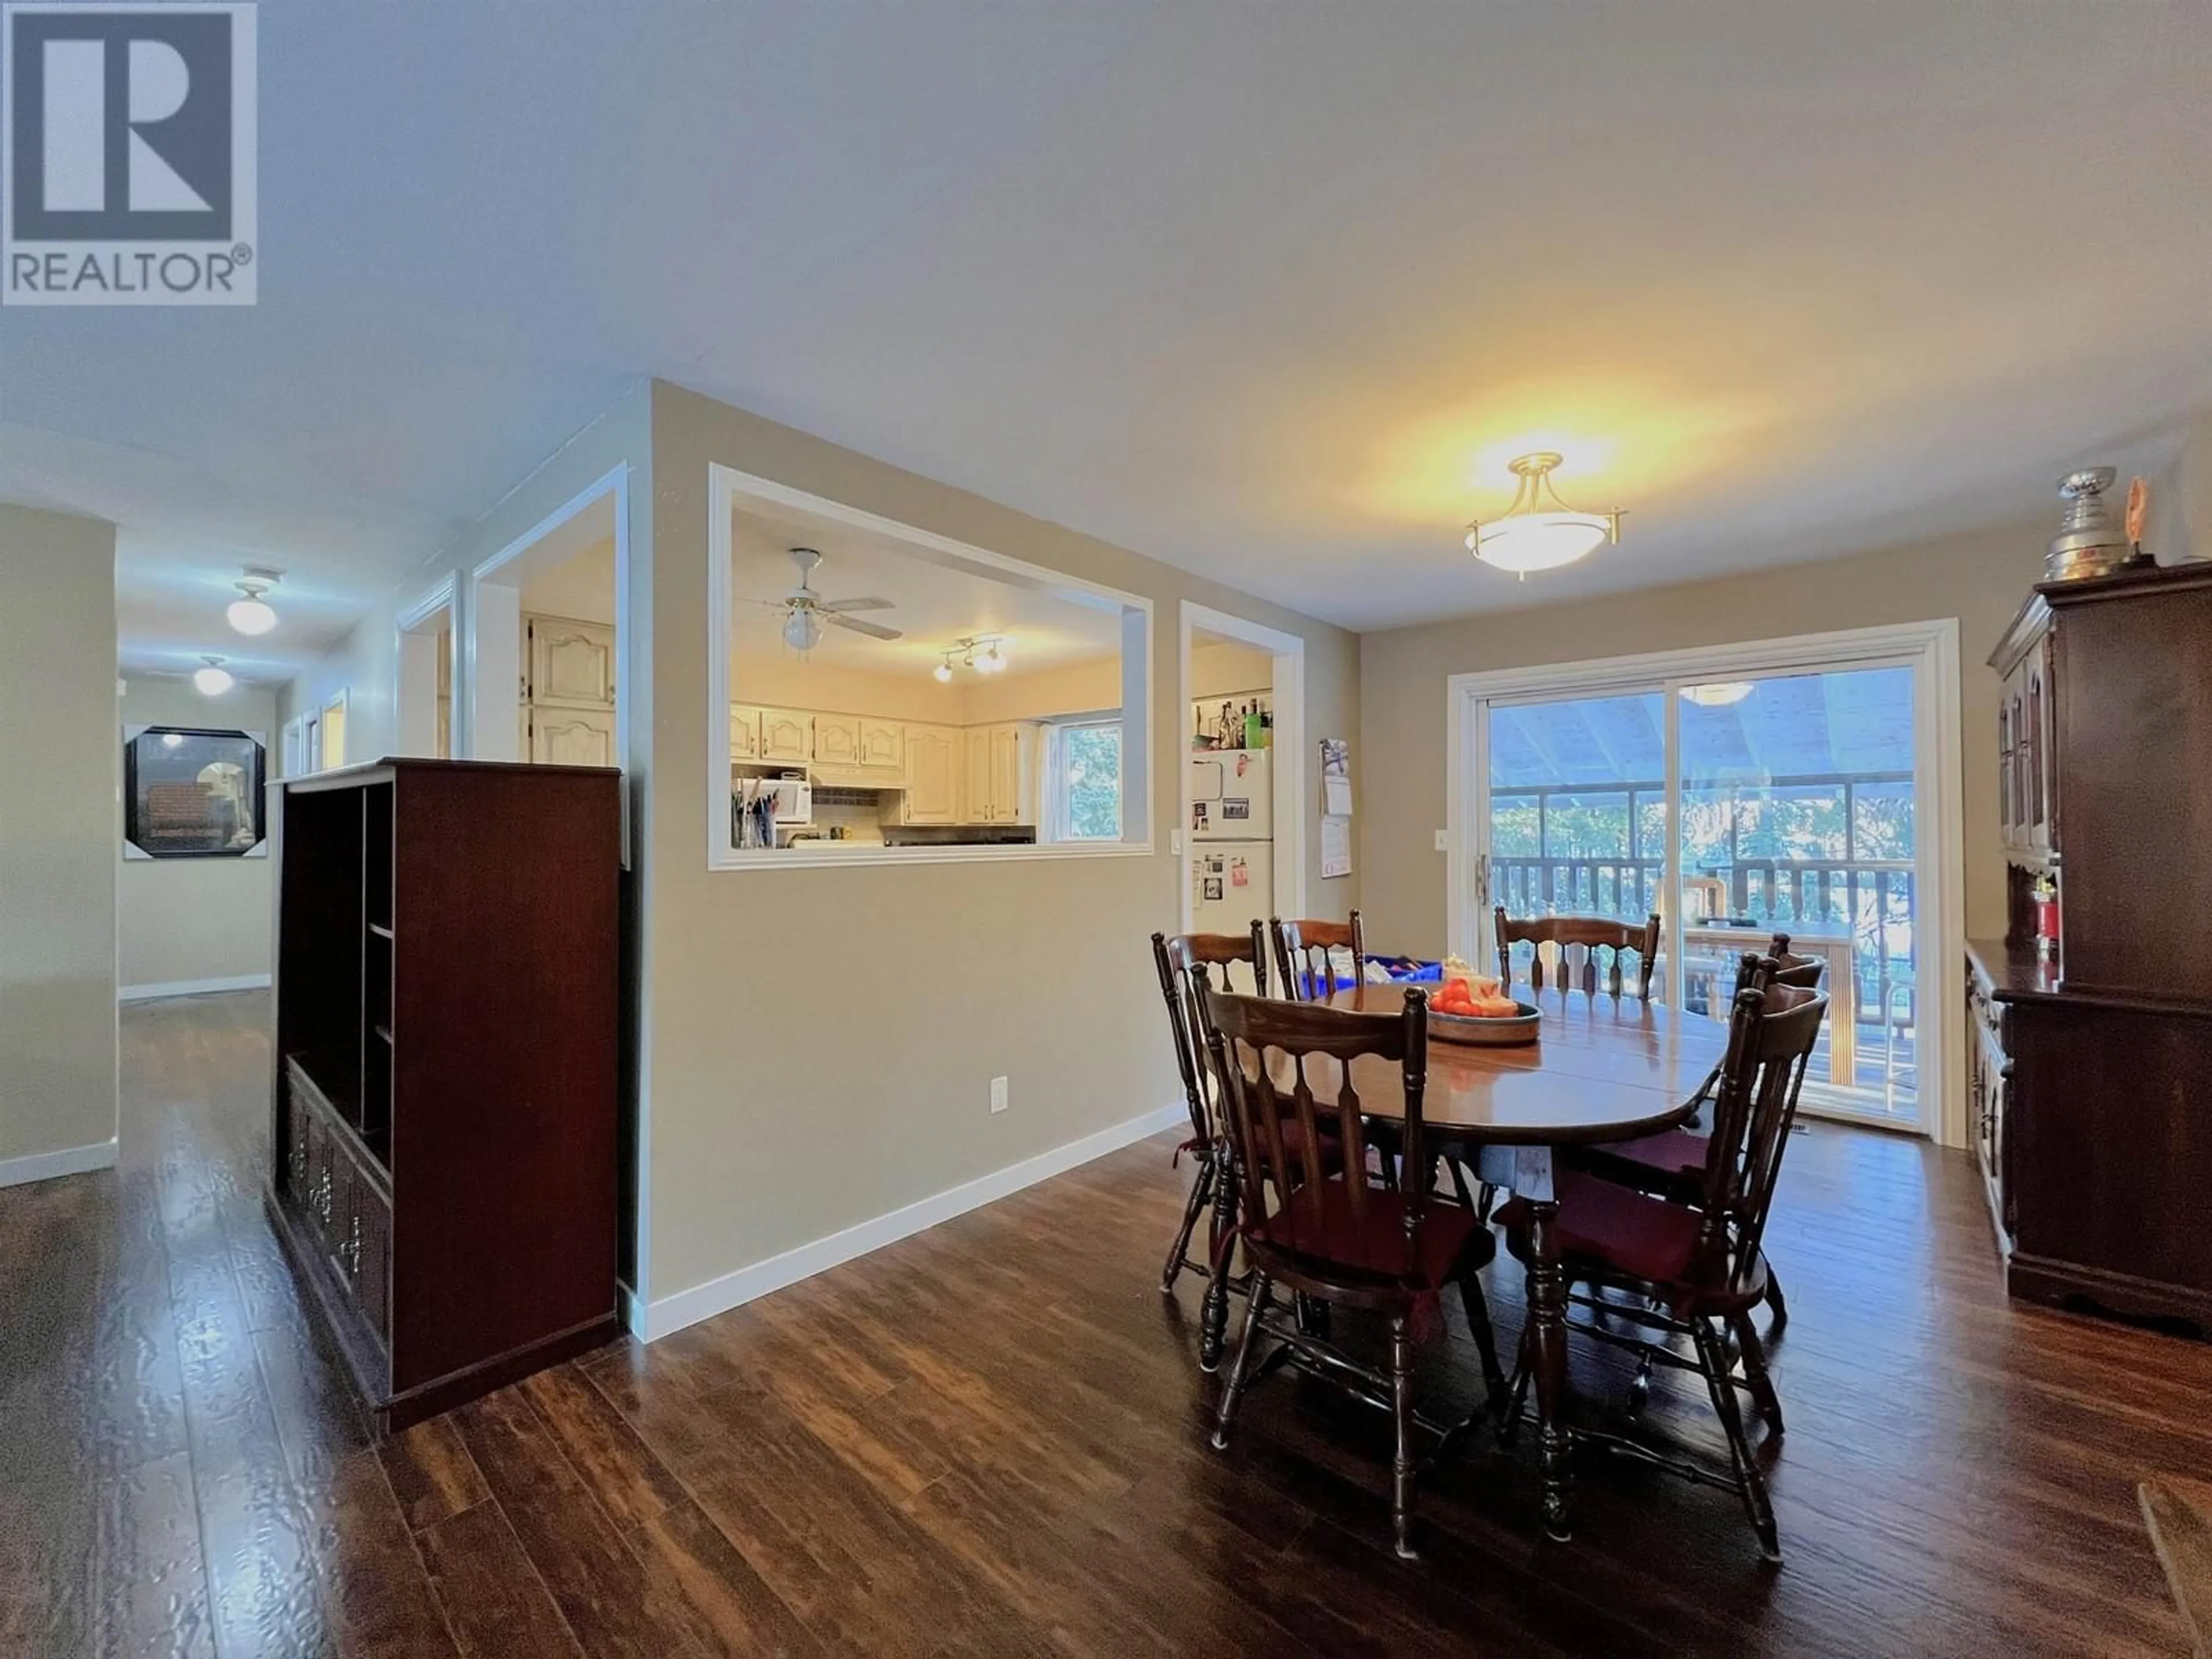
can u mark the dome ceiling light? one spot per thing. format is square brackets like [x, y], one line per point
[1540, 531]
[253, 614]
[1719, 694]
[213, 680]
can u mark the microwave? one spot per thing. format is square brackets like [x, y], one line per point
[793, 799]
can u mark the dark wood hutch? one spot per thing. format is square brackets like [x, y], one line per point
[2090, 1067]
[445, 1098]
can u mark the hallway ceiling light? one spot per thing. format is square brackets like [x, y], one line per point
[253, 614]
[943, 672]
[213, 680]
[1540, 531]
[1719, 694]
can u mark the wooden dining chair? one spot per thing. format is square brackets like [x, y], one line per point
[1174, 960]
[1289, 1076]
[1672, 1163]
[1304, 956]
[1696, 1272]
[1590, 933]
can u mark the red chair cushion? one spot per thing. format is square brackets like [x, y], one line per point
[1452, 1241]
[1675, 1152]
[1635, 1235]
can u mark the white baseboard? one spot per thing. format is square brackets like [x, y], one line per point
[191, 987]
[45, 1166]
[673, 1313]
[630, 1308]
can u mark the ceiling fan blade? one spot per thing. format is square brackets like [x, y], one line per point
[873, 631]
[859, 604]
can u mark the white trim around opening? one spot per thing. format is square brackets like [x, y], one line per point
[1931, 648]
[1287, 692]
[725, 488]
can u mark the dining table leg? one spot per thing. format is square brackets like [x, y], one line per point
[1547, 1329]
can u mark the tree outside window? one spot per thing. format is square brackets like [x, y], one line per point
[1089, 784]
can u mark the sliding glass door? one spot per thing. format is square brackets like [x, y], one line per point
[1784, 800]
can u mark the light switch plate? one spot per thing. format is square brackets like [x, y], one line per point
[1175, 842]
[1443, 840]
[998, 1094]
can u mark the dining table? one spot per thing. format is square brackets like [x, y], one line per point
[1602, 1068]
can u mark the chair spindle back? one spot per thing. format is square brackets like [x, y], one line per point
[1772, 1033]
[1302, 955]
[1177, 961]
[1282, 1064]
[1593, 933]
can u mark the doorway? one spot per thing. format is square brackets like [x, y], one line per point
[427, 654]
[545, 653]
[1243, 796]
[1809, 786]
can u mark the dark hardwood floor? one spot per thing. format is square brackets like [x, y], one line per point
[988, 1440]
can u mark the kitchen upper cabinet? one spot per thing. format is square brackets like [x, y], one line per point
[745, 733]
[998, 766]
[836, 740]
[571, 664]
[573, 736]
[932, 791]
[786, 735]
[882, 746]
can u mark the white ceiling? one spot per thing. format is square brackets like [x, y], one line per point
[1265, 292]
[933, 602]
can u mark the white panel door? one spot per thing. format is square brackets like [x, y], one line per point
[571, 664]
[573, 736]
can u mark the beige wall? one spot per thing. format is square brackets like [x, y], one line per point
[185, 920]
[581, 588]
[1218, 667]
[60, 752]
[789, 682]
[1980, 578]
[822, 1041]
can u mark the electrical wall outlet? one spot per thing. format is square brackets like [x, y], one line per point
[998, 1094]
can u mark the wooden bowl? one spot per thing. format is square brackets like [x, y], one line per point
[1483, 1029]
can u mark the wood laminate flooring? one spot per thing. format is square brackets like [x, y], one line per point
[989, 1439]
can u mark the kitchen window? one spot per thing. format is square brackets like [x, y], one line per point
[1083, 773]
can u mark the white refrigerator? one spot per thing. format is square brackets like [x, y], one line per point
[1232, 830]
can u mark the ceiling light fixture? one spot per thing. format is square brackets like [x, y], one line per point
[987, 653]
[1540, 531]
[1719, 694]
[253, 614]
[213, 680]
[802, 629]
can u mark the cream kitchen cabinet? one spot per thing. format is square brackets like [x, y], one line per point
[573, 736]
[882, 746]
[571, 664]
[933, 789]
[999, 766]
[745, 733]
[786, 735]
[837, 741]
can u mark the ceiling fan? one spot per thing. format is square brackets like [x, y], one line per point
[805, 612]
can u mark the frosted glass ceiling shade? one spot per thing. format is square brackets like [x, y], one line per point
[802, 630]
[1540, 531]
[1718, 693]
[253, 614]
[213, 680]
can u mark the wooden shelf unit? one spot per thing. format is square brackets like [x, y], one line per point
[444, 1101]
